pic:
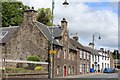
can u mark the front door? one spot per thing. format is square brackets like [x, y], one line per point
[64, 70]
[84, 69]
[98, 68]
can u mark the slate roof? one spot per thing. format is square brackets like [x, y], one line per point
[42, 27]
[72, 47]
[91, 50]
[79, 45]
[46, 31]
[56, 31]
[10, 32]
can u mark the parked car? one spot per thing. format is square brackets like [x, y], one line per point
[107, 70]
[113, 70]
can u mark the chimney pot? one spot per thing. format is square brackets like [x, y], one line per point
[102, 49]
[28, 7]
[30, 14]
[32, 8]
[75, 37]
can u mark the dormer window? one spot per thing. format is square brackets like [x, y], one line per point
[3, 33]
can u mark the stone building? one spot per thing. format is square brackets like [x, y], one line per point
[65, 61]
[30, 38]
[83, 59]
[111, 60]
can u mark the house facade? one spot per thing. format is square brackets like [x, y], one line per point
[83, 55]
[94, 58]
[100, 59]
[65, 60]
[104, 59]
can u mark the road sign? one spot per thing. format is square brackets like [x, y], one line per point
[52, 52]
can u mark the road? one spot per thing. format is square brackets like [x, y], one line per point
[92, 76]
[104, 75]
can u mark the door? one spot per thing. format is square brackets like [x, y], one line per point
[64, 70]
[84, 69]
[98, 68]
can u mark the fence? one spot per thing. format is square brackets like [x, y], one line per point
[20, 69]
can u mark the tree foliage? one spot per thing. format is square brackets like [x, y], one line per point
[33, 58]
[12, 13]
[8, 0]
[31, 66]
[116, 54]
[44, 16]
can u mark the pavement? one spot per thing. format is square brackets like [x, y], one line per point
[80, 75]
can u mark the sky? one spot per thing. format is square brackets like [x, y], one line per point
[86, 17]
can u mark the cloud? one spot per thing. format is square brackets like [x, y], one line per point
[85, 20]
[37, 3]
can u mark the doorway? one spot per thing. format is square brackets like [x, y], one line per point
[64, 70]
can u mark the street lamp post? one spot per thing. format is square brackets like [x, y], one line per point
[93, 44]
[51, 50]
[116, 58]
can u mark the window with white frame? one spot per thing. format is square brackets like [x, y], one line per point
[87, 56]
[3, 33]
[80, 68]
[69, 56]
[69, 70]
[95, 58]
[80, 54]
[58, 69]
[105, 65]
[58, 54]
[102, 56]
[88, 68]
[108, 65]
[64, 53]
[98, 58]
[72, 70]
[73, 56]
[84, 55]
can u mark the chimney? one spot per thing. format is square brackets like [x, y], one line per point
[64, 24]
[102, 49]
[108, 51]
[30, 14]
[75, 37]
[91, 45]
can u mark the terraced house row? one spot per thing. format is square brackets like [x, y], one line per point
[34, 38]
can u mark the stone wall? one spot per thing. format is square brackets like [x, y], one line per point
[27, 40]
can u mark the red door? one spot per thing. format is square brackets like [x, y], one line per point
[64, 70]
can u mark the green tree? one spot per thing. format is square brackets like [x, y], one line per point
[8, 0]
[45, 16]
[116, 54]
[12, 13]
[33, 58]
